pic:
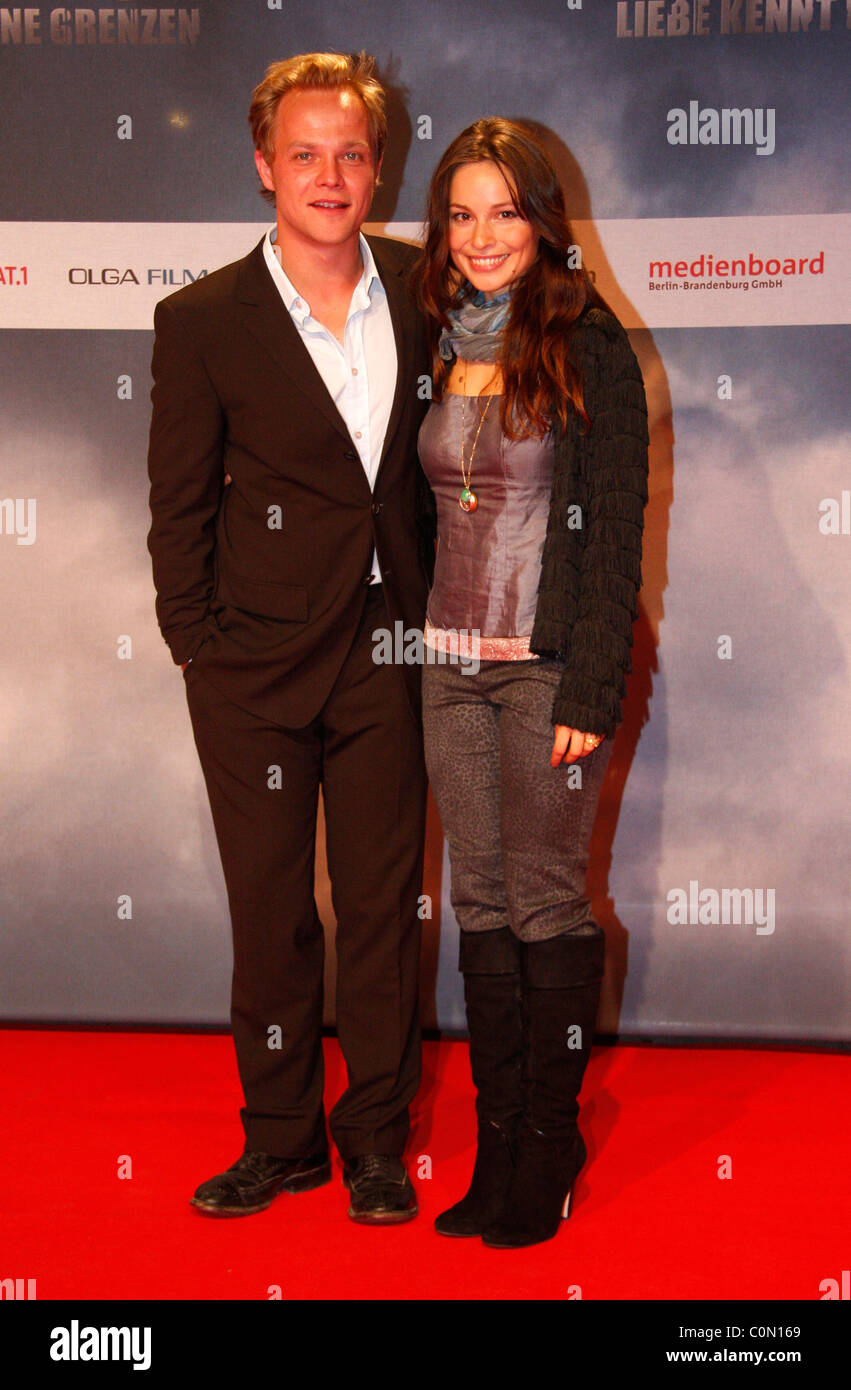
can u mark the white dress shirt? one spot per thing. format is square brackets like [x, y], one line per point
[360, 372]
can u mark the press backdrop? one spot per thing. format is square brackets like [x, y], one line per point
[703, 147]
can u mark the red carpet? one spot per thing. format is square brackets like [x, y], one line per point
[651, 1217]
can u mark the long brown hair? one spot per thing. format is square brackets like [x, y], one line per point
[540, 382]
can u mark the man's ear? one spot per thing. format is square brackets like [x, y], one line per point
[378, 173]
[264, 171]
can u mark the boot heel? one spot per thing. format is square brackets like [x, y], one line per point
[565, 1211]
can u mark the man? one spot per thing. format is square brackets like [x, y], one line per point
[288, 510]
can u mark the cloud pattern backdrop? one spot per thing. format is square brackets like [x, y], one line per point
[738, 780]
[732, 773]
[755, 766]
[606, 98]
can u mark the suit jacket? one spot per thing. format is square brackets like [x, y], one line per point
[262, 581]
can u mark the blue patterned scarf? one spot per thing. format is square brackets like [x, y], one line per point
[476, 328]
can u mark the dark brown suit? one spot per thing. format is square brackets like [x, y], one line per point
[283, 692]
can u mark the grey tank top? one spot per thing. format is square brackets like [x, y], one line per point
[488, 562]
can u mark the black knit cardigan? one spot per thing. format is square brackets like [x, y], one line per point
[591, 573]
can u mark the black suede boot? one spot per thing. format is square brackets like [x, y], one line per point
[561, 991]
[490, 962]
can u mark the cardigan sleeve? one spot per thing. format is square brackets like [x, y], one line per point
[613, 466]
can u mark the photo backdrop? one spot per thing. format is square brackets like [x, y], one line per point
[703, 149]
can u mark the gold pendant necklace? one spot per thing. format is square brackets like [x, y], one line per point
[468, 501]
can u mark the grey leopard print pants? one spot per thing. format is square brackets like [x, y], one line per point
[518, 830]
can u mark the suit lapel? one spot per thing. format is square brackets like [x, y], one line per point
[400, 311]
[266, 317]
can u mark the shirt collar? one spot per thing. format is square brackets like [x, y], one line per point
[297, 306]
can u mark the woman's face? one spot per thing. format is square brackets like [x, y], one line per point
[489, 241]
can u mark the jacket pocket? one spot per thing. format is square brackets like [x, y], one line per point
[263, 598]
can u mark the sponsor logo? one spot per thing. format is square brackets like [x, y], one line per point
[13, 275]
[712, 272]
[112, 275]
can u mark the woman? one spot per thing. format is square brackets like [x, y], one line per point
[535, 447]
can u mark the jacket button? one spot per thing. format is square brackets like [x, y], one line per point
[349, 454]
[376, 508]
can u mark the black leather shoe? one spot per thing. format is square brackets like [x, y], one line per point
[254, 1181]
[380, 1189]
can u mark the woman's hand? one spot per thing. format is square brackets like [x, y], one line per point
[570, 744]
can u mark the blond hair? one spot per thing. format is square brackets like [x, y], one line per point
[317, 72]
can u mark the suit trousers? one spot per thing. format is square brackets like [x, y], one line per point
[518, 830]
[365, 749]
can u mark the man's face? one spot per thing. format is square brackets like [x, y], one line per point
[323, 171]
